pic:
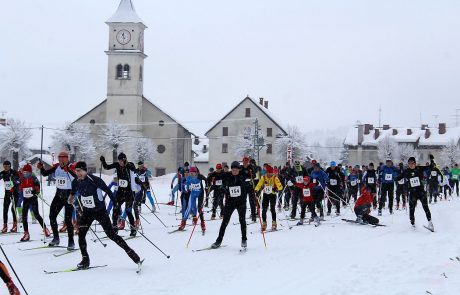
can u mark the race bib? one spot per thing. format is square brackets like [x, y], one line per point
[142, 178]
[401, 181]
[299, 179]
[195, 186]
[434, 173]
[353, 183]
[27, 192]
[123, 183]
[415, 182]
[219, 182]
[268, 190]
[314, 180]
[8, 185]
[359, 181]
[388, 177]
[248, 180]
[371, 180]
[455, 177]
[333, 181]
[306, 192]
[88, 202]
[61, 182]
[235, 191]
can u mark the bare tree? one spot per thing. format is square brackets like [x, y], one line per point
[404, 152]
[75, 139]
[14, 140]
[245, 144]
[387, 149]
[297, 140]
[112, 137]
[143, 149]
[450, 154]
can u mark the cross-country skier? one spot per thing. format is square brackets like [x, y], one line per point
[270, 184]
[236, 189]
[335, 188]
[217, 180]
[87, 196]
[387, 176]
[319, 177]
[248, 172]
[295, 183]
[363, 208]
[64, 176]
[308, 201]
[10, 179]
[144, 175]
[401, 189]
[370, 181]
[194, 185]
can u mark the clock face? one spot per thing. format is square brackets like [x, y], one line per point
[123, 37]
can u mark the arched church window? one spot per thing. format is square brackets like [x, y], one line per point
[119, 71]
[126, 72]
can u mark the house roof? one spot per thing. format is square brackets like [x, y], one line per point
[260, 107]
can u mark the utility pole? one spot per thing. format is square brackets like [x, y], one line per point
[380, 115]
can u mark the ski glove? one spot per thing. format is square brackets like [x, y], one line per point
[102, 158]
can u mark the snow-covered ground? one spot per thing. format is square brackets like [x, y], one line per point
[335, 258]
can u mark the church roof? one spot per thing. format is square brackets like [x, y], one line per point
[125, 14]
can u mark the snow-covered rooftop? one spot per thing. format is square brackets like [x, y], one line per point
[125, 14]
[404, 135]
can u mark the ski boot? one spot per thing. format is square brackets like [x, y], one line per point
[337, 213]
[133, 232]
[55, 242]
[195, 220]
[300, 222]
[317, 222]
[430, 225]
[121, 224]
[12, 289]
[253, 218]
[264, 226]
[63, 229]
[5, 228]
[182, 224]
[84, 264]
[25, 237]
[328, 214]
[359, 219]
[170, 203]
[274, 225]
[70, 245]
[14, 229]
[380, 213]
[216, 244]
[137, 223]
[244, 244]
[47, 232]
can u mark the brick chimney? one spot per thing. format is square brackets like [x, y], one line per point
[395, 131]
[266, 104]
[367, 128]
[360, 134]
[409, 131]
[424, 126]
[386, 127]
[377, 133]
[442, 128]
[3, 121]
[427, 133]
[261, 101]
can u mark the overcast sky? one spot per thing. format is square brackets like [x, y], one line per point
[321, 64]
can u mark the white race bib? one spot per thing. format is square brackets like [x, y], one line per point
[27, 192]
[8, 185]
[235, 191]
[401, 181]
[455, 177]
[268, 190]
[299, 179]
[306, 192]
[123, 183]
[61, 182]
[219, 182]
[434, 173]
[195, 186]
[388, 177]
[142, 178]
[370, 180]
[414, 182]
[88, 202]
[359, 181]
[314, 180]
[353, 183]
[333, 181]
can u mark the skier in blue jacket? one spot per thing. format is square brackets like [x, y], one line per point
[387, 176]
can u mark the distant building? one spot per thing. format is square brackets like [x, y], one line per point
[125, 102]
[228, 132]
[362, 141]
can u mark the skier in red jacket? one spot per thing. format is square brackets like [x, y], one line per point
[363, 207]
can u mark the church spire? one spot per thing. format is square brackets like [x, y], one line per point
[125, 14]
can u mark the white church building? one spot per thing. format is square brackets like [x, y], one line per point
[125, 102]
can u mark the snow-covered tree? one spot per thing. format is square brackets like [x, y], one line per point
[450, 154]
[245, 144]
[387, 149]
[76, 140]
[14, 140]
[112, 137]
[344, 155]
[404, 152]
[143, 149]
[297, 140]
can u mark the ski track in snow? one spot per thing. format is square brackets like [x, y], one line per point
[335, 258]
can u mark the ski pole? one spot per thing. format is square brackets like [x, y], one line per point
[199, 217]
[141, 216]
[89, 226]
[156, 204]
[14, 271]
[153, 244]
[160, 220]
[284, 212]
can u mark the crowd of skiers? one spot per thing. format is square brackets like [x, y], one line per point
[297, 188]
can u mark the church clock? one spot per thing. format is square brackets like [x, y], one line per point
[123, 37]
